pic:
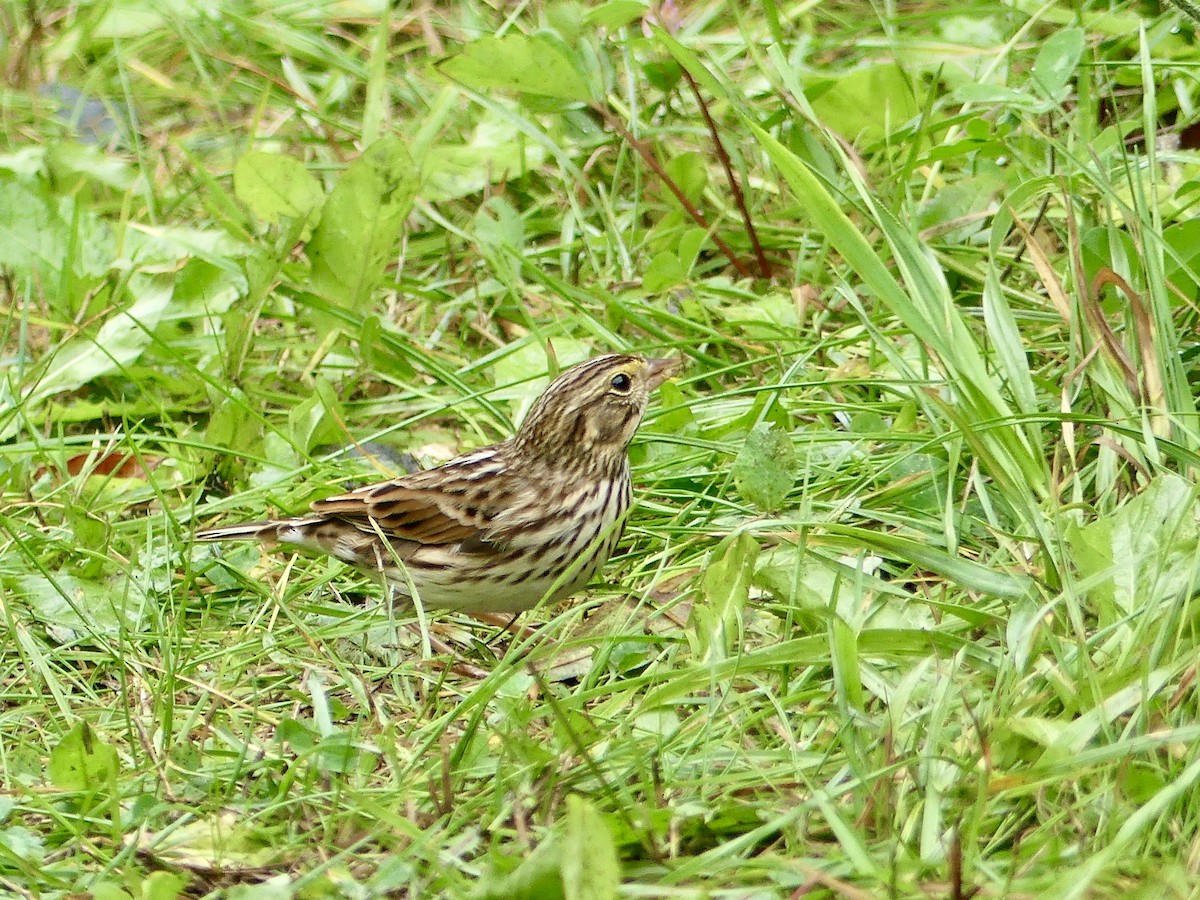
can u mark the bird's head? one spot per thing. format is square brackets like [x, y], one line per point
[593, 409]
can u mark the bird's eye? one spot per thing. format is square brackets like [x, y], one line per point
[621, 383]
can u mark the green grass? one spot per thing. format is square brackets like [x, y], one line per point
[905, 606]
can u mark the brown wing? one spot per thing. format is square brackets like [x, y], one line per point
[446, 505]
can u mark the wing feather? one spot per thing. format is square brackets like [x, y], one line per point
[446, 505]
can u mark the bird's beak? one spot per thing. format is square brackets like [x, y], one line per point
[659, 370]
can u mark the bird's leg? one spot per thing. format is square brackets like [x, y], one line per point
[504, 622]
[461, 667]
[424, 630]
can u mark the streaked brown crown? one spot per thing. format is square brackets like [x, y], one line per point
[593, 409]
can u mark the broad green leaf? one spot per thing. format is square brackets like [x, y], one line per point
[496, 152]
[1038, 729]
[538, 877]
[675, 414]
[272, 186]
[107, 890]
[339, 753]
[996, 95]
[1144, 553]
[234, 426]
[166, 245]
[577, 862]
[139, 18]
[691, 242]
[24, 161]
[536, 64]
[33, 237]
[224, 842]
[867, 103]
[960, 210]
[360, 225]
[18, 842]
[591, 869]
[565, 20]
[120, 341]
[85, 161]
[716, 622]
[1056, 63]
[315, 421]
[765, 468]
[277, 887]
[771, 316]
[663, 75]
[1182, 265]
[202, 290]
[817, 586]
[616, 13]
[663, 272]
[282, 460]
[70, 607]
[689, 172]
[164, 886]
[82, 761]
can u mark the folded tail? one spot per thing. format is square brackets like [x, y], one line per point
[319, 533]
[277, 531]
